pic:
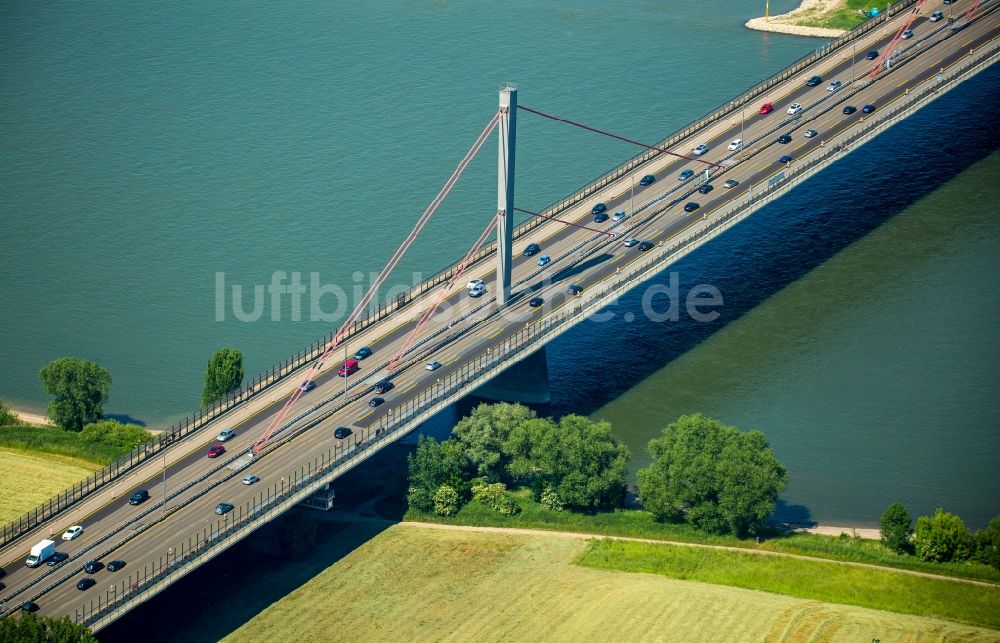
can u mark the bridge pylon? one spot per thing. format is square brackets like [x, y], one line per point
[505, 190]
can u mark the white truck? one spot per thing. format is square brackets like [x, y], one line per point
[41, 553]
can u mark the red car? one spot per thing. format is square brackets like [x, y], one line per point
[216, 451]
[766, 108]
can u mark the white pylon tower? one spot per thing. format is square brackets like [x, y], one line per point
[505, 190]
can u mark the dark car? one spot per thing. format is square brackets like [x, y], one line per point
[57, 558]
[139, 497]
[691, 206]
[867, 109]
[705, 188]
[307, 386]
[93, 567]
[600, 217]
[814, 81]
[341, 432]
[85, 583]
[850, 109]
[223, 508]
[871, 55]
[28, 606]
[532, 249]
[785, 159]
[363, 352]
[216, 451]
[574, 289]
[685, 175]
[376, 401]
[383, 386]
[599, 208]
[645, 245]
[115, 565]
[647, 180]
[785, 138]
[536, 302]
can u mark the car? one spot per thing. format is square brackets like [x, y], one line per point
[631, 241]
[93, 567]
[475, 283]
[138, 497]
[376, 401]
[705, 188]
[735, 145]
[600, 217]
[57, 558]
[28, 606]
[384, 386]
[766, 108]
[948, 1]
[871, 55]
[649, 179]
[478, 291]
[349, 367]
[544, 260]
[868, 109]
[574, 289]
[433, 366]
[645, 245]
[115, 565]
[216, 450]
[72, 532]
[618, 216]
[599, 208]
[247, 480]
[834, 86]
[809, 133]
[341, 432]
[814, 81]
[307, 386]
[935, 16]
[700, 149]
[907, 34]
[794, 109]
[785, 138]
[850, 109]
[536, 302]
[685, 174]
[85, 583]
[730, 183]
[223, 508]
[785, 159]
[225, 434]
[363, 352]
[691, 206]
[532, 249]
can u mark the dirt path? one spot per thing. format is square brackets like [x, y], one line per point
[742, 550]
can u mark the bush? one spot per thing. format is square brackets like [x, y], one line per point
[7, 418]
[122, 437]
[446, 501]
[550, 499]
[941, 538]
[495, 497]
[896, 528]
[420, 498]
[988, 544]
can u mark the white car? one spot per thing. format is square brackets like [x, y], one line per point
[433, 366]
[737, 144]
[631, 241]
[619, 216]
[475, 283]
[731, 183]
[225, 434]
[250, 479]
[72, 532]
[794, 109]
[934, 17]
[834, 86]
[701, 149]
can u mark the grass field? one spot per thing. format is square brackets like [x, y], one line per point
[42, 439]
[840, 15]
[31, 478]
[413, 584]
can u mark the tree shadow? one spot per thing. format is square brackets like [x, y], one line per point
[124, 418]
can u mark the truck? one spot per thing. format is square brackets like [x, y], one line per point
[41, 553]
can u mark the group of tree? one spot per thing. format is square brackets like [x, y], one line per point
[573, 463]
[7, 417]
[940, 538]
[713, 476]
[31, 628]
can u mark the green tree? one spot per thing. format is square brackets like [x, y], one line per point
[223, 375]
[123, 437]
[942, 538]
[433, 464]
[714, 476]
[446, 501]
[79, 387]
[988, 544]
[897, 527]
[7, 417]
[483, 434]
[31, 628]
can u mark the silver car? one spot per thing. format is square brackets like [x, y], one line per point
[701, 149]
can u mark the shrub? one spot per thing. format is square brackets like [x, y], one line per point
[550, 499]
[446, 501]
[941, 538]
[122, 437]
[495, 497]
[896, 528]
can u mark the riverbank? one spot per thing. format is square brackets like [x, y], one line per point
[31, 418]
[815, 18]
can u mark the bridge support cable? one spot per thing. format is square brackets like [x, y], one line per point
[890, 49]
[443, 293]
[565, 222]
[366, 299]
[617, 137]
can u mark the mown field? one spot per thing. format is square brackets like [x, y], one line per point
[31, 478]
[419, 584]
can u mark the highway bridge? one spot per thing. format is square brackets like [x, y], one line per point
[286, 436]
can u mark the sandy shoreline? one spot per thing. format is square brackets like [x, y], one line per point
[783, 23]
[31, 418]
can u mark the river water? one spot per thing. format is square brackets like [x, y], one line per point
[147, 147]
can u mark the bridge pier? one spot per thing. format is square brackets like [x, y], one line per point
[526, 382]
[505, 190]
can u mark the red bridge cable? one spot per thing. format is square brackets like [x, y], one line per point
[393, 262]
[616, 136]
[563, 221]
[889, 50]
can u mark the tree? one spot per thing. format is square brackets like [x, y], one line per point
[31, 628]
[942, 538]
[223, 375]
[896, 527]
[122, 437]
[446, 501]
[714, 476]
[483, 434]
[988, 544]
[433, 464]
[80, 387]
[7, 417]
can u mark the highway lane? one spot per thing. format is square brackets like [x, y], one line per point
[409, 380]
